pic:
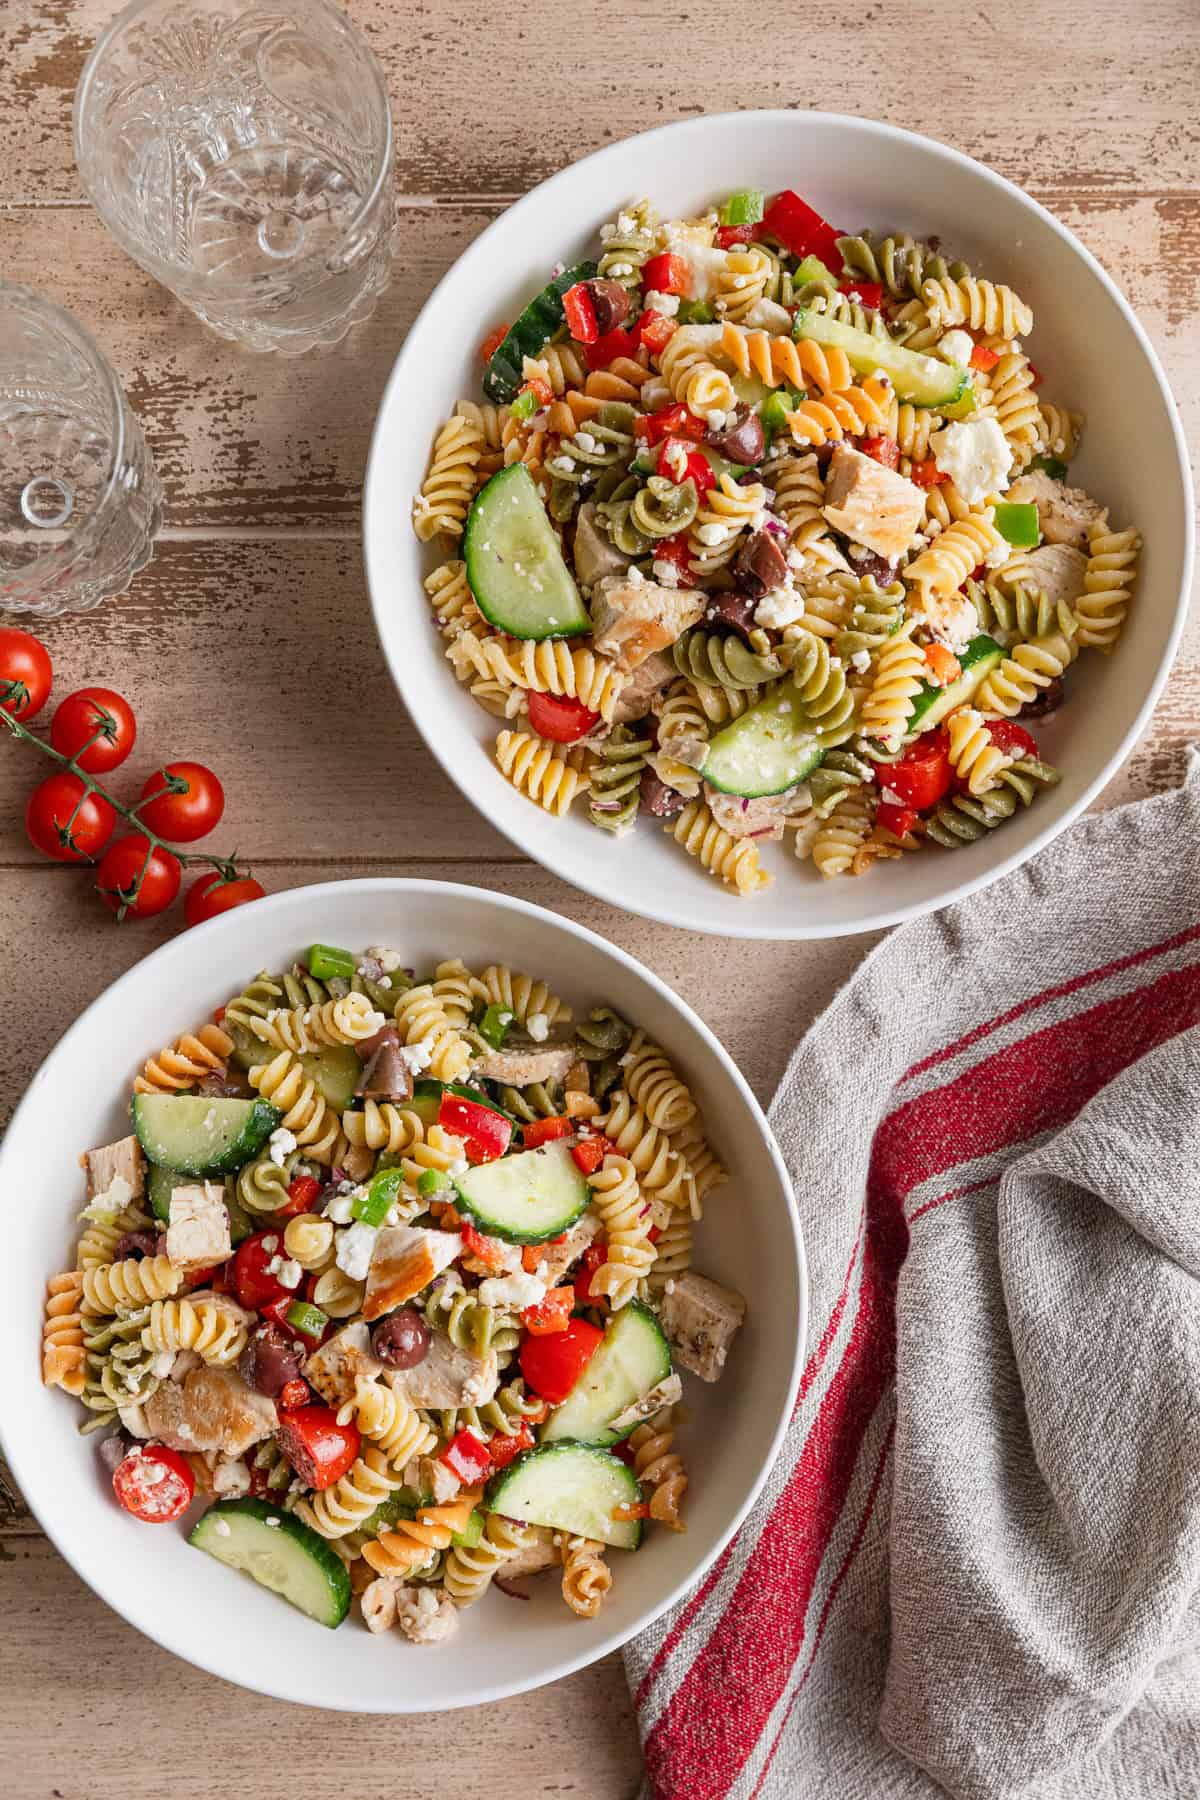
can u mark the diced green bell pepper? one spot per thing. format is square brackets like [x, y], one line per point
[525, 404]
[493, 1025]
[431, 1181]
[1018, 522]
[745, 208]
[810, 270]
[373, 1206]
[1054, 466]
[694, 312]
[327, 963]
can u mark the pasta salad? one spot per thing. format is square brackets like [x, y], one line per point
[764, 532]
[396, 1275]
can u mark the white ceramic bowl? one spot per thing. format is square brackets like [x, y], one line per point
[860, 174]
[222, 1621]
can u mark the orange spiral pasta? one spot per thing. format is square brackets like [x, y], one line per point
[411, 1542]
[62, 1333]
[186, 1062]
[780, 361]
[852, 412]
[659, 1467]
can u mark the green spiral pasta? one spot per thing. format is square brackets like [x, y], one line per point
[899, 262]
[821, 685]
[627, 242]
[664, 507]
[825, 297]
[471, 1325]
[262, 1185]
[1017, 613]
[877, 613]
[603, 443]
[603, 1033]
[968, 817]
[539, 1100]
[503, 1415]
[724, 662]
[614, 510]
[119, 1370]
[839, 772]
[616, 780]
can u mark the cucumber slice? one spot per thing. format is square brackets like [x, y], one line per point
[280, 1552]
[932, 704]
[921, 380]
[541, 320]
[527, 1198]
[515, 565]
[194, 1134]
[633, 1358]
[335, 1068]
[471, 1533]
[161, 1184]
[570, 1487]
[768, 750]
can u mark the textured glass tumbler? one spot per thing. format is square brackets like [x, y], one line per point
[80, 502]
[242, 154]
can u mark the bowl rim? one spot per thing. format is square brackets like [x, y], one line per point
[378, 504]
[108, 1588]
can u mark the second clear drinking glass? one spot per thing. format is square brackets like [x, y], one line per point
[243, 155]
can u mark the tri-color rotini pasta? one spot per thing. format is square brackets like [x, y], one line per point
[742, 465]
[387, 1264]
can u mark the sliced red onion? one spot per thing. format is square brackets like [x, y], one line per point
[776, 528]
[371, 969]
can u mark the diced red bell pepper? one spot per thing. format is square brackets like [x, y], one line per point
[302, 1191]
[468, 1456]
[730, 235]
[492, 342]
[544, 1131]
[654, 1232]
[552, 1313]
[278, 1311]
[677, 551]
[485, 1134]
[590, 1152]
[293, 1394]
[318, 1448]
[927, 474]
[560, 717]
[667, 273]
[885, 450]
[678, 462]
[552, 1365]
[154, 1484]
[869, 293]
[801, 230]
[1012, 738]
[923, 774]
[581, 314]
[897, 819]
[505, 1447]
[487, 1250]
[589, 1262]
[218, 1014]
[655, 330]
[620, 342]
[253, 1284]
[983, 357]
[673, 421]
[204, 1278]
[1035, 375]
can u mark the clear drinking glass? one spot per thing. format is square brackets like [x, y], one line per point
[242, 154]
[80, 502]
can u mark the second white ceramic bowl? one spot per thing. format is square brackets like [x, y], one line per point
[1094, 356]
[222, 1621]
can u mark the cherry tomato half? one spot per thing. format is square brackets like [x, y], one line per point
[923, 775]
[1012, 738]
[552, 1365]
[94, 713]
[212, 894]
[50, 807]
[187, 802]
[130, 884]
[560, 718]
[25, 673]
[253, 1282]
[154, 1483]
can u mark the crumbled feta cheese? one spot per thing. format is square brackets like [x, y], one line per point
[665, 573]
[355, 1247]
[388, 960]
[115, 1197]
[861, 660]
[998, 555]
[281, 1144]
[273, 1522]
[617, 269]
[458, 1167]
[289, 1272]
[538, 1027]
[416, 1057]
[338, 1209]
[666, 304]
[585, 440]
[560, 465]
[626, 225]
[634, 576]
[270, 1243]
[956, 347]
[779, 607]
[975, 454]
[163, 1363]
[713, 534]
[890, 797]
[516, 1291]
[795, 559]
[222, 1528]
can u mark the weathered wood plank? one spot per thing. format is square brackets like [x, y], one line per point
[1100, 105]
[76, 1675]
[252, 444]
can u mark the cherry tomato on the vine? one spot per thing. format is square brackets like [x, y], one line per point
[25, 673]
[187, 802]
[132, 885]
[94, 713]
[212, 894]
[64, 821]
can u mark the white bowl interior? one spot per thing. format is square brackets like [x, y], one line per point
[1087, 343]
[221, 1620]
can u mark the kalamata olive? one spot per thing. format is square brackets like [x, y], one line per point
[877, 567]
[742, 442]
[387, 1076]
[733, 610]
[610, 303]
[402, 1339]
[135, 1243]
[659, 800]
[367, 1047]
[760, 564]
[1047, 701]
[270, 1360]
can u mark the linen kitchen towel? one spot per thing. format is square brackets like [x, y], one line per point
[975, 1568]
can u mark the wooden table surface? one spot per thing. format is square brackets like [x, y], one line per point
[251, 622]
